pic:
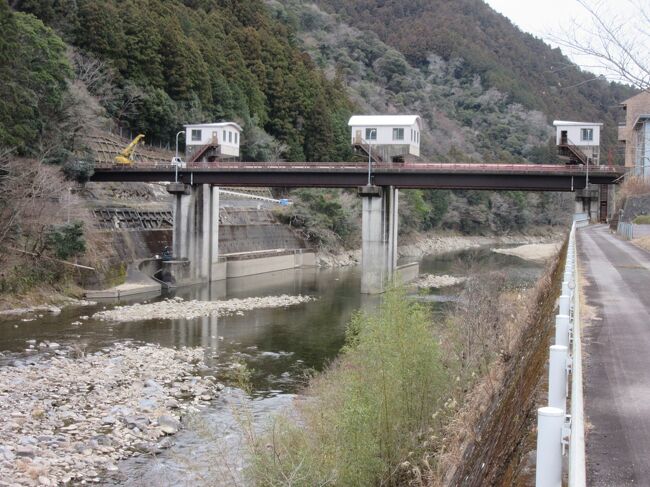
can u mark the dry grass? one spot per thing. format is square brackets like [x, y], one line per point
[633, 185]
[643, 242]
[441, 462]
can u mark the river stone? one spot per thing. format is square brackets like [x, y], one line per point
[7, 454]
[152, 383]
[168, 424]
[172, 404]
[108, 420]
[147, 405]
[25, 451]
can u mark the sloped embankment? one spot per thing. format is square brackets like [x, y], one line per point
[498, 453]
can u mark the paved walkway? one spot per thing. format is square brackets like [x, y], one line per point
[617, 359]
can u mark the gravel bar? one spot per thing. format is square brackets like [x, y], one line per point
[177, 308]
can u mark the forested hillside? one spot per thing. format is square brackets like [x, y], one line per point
[483, 42]
[291, 72]
[155, 65]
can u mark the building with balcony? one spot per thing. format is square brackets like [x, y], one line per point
[634, 134]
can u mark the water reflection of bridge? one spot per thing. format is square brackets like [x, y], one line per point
[204, 331]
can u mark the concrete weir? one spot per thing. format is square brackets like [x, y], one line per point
[196, 241]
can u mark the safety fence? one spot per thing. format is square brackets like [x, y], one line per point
[557, 430]
[625, 230]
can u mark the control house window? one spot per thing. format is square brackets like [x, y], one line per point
[398, 134]
[371, 134]
[196, 135]
[236, 138]
[229, 137]
[587, 134]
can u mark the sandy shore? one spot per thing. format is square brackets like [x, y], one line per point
[178, 308]
[67, 419]
[534, 252]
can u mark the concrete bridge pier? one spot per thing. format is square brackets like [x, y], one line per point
[196, 234]
[379, 237]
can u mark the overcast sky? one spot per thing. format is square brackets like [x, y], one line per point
[544, 18]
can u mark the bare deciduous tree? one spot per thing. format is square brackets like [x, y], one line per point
[614, 42]
[33, 197]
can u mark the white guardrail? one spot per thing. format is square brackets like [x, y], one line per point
[625, 230]
[557, 430]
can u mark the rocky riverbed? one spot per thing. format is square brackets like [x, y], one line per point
[69, 419]
[177, 308]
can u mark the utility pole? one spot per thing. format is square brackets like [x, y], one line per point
[177, 159]
[369, 153]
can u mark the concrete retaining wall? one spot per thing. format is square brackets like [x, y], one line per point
[138, 281]
[635, 206]
[407, 272]
[262, 265]
[255, 237]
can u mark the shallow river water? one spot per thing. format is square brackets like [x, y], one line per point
[278, 346]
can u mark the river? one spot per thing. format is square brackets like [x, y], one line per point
[279, 346]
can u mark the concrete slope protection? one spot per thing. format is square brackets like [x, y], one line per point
[617, 359]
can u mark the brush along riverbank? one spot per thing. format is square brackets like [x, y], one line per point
[408, 399]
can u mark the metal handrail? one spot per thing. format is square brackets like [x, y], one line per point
[577, 170]
[566, 142]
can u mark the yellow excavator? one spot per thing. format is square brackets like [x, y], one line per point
[126, 156]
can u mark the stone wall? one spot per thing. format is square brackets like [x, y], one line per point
[634, 206]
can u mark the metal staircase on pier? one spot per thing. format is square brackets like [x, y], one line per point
[362, 147]
[204, 149]
[568, 150]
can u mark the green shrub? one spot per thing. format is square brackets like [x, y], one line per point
[642, 220]
[30, 274]
[367, 411]
[66, 240]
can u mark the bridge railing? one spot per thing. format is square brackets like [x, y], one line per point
[578, 171]
[557, 430]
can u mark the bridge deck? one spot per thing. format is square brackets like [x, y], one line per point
[527, 177]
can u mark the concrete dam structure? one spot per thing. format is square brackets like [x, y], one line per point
[249, 240]
[212, 241]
